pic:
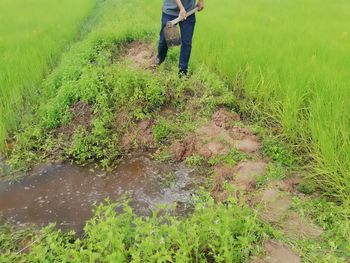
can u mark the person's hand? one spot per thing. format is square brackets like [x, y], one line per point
[183, 13]
[200, 5]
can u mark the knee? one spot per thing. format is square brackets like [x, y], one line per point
[186, 43]
[162, 41]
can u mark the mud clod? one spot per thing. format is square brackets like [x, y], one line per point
[288, 185]
[246, 174]
[276, 205]
[222, 118]
[83, 114]
[183, 149]
[222, 172]
[248, 145]
[218, 136]
[140, 136]
[280, 253]
[141, 54]
[277, 253]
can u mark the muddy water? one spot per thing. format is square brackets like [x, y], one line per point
[65, 194]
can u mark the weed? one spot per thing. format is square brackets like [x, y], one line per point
[195, 160]
[162, 154]
[220, 233]
[306, 188]
[273, 172]
[334, 219]
[164, 130]
[278, 152]
[231, 158]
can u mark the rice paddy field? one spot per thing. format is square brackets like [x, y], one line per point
[292, 59]
[32, 35]
[262, 122]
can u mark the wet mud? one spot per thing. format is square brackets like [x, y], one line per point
[65, 194]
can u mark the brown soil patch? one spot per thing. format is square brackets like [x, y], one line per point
[297, 227]
[280, 253]
[257, 260]
[277, 252]
[168, 111]
[217, 137]
[223, 118]
[140, 53]
[248, 145]
[140, 136]
[247, 172]
[243, 176]
[83, 114]
[222, 173]
[276, 205]
[288, 185]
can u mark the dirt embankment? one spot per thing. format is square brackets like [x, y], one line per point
[218, 137]
[273, 202]
[222, 133]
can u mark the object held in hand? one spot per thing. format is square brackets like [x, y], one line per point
[171, 31]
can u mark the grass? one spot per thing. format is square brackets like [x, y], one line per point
[32, 35]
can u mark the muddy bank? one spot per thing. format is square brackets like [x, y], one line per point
[4, 168]
[65, 193]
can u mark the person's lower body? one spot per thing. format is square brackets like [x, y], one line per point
[187, 29]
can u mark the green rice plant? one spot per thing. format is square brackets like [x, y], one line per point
[32, 35]
[294, 62]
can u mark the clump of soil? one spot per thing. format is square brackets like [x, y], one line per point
[242, 177]
[223, 118]
[83, 114]
[275, 205]
[247, 172]
[139, 137]
[141, 54]
[289, 184]
[217, 137]
[280, 253]
[223, 173]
